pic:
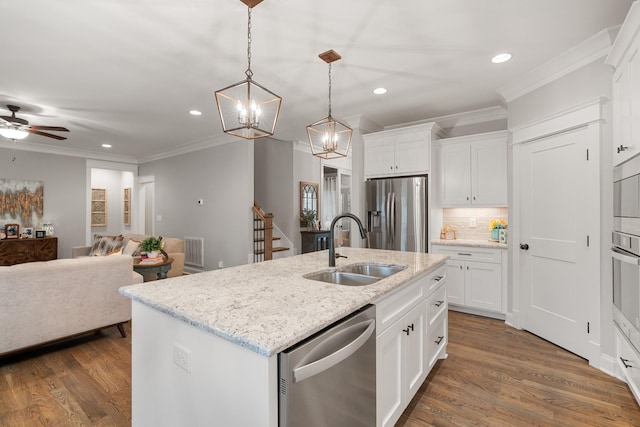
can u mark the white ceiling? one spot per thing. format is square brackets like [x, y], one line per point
[126, 72]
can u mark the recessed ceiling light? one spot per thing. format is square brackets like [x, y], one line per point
[380, 91]
[195, 113]
[500, 58]
[106, 145]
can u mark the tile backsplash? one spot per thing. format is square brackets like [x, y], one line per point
[460, 219]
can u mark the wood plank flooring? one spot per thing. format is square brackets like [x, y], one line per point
[499, 376]
[494, 376]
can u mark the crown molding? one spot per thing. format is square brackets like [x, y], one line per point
[573, 59]
[64, 151]
[470, 117]
[202, 144]
[628, 31]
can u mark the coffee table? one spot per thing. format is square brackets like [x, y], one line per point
[160, 269]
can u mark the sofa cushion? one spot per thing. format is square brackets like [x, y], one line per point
[104, 245]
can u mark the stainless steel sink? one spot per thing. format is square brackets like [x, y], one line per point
[342, 278]
[359, 274]
[375, 270]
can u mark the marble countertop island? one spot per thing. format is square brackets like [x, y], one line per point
[269, 306]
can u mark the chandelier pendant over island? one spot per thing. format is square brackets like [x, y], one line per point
[248, 109]
[329, 138]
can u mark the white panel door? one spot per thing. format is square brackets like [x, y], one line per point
[555, 271]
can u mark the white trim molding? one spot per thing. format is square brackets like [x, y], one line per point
[630, 28]
[575, 58]
[580, 115]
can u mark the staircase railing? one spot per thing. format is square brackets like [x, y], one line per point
[262, 234]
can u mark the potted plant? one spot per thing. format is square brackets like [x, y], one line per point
[494, 226]
[151, 246]
[308, 216]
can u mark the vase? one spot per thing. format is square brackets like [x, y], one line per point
[153, 254]
[495, 234]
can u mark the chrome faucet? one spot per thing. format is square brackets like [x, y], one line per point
[332, 249]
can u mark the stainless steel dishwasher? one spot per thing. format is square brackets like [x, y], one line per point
[329, 379]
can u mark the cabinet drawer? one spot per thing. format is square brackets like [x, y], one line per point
[396, 305]
[437, 339]
[436, 279]
[629, 363]
[436, 304]
[467, 253]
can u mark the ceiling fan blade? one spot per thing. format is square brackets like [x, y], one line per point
[56, 128]
[49, 135]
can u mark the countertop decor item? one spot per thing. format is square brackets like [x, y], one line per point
[151, 246]
[495, 225]
[247, 109]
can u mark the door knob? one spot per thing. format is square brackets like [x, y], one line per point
[524, 246]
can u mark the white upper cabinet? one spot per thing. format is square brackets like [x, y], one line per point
[399, 152]
[473, 170]
[624, 56]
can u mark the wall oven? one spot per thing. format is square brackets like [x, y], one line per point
[625, 252]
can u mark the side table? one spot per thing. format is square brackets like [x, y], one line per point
[160, 269]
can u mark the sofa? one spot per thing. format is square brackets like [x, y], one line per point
[43, 302]
[174, 248]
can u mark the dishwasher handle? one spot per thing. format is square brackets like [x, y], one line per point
[307, 371]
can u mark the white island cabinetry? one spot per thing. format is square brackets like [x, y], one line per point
[411, 336]
[205, 347]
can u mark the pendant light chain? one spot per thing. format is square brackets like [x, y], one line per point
[249, 73]
[329, 89]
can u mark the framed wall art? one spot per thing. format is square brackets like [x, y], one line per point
[12, 231]
[126, 209]
[98, 207]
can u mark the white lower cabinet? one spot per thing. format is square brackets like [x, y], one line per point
[475, 277]
[628, 363]
[412, 335]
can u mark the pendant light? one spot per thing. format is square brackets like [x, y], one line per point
[248, 109]
[329, 138]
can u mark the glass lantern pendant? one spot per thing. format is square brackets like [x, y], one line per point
[329, 138]
[248, 109]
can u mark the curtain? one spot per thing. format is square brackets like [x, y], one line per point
[330, 200]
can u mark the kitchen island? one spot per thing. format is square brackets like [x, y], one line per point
[205, 346]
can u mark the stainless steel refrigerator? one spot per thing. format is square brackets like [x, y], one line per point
[397, 213]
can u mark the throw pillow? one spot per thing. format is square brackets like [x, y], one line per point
[104, 245]
[131, 247]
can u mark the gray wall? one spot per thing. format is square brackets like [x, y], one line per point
[273, 180]
[223, 177]
[306, 167]
[580, 86]
[64, 191]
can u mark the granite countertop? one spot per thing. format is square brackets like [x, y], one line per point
[268, 306]
[472, 243]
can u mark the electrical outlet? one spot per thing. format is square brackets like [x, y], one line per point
[182, 357]
[472, 223]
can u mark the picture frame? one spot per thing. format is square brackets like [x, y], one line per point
[40, 234]
[12, 231]
[98, 207]
[27, 233]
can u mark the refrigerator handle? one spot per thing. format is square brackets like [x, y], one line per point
[393, 218]
[387, 213]
[307, 371]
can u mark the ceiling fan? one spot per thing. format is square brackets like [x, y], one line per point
[13, 127]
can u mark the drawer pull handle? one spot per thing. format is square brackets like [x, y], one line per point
[438, 278]
[464, 254]
[409, 329]
[438, 303]
[439, 340]
[624, 362]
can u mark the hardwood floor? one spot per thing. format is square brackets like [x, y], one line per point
[499, 376]
[494, 376]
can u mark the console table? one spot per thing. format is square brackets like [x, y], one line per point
[314, 240]
[18, 251]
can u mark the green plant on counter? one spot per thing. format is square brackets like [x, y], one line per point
[151, 244]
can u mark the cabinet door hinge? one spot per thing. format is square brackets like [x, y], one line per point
[588, 328]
